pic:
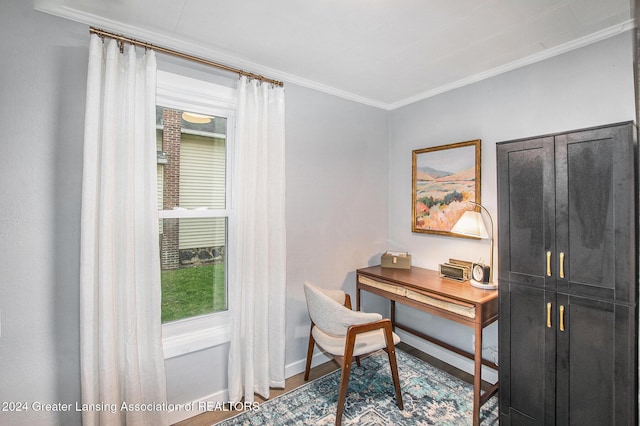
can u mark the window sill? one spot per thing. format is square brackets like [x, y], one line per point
[194, 334]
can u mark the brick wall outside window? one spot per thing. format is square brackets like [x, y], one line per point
[171, 197]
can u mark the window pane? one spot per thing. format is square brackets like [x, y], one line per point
[193, 275]
[192, 158]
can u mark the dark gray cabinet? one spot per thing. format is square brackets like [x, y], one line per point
[568, 278]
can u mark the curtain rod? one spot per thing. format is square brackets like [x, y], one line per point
[146, 45]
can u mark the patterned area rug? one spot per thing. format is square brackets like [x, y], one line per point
[431, 397]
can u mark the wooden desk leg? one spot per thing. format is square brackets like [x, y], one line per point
[392, 315]
[477, 374]
[357, 299]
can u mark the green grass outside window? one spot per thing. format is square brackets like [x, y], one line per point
[193, 291]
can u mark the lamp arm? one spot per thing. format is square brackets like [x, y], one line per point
[491, 222]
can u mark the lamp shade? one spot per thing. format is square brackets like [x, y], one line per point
[471, 225]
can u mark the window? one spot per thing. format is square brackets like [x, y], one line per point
[193, 224]
[194, 123]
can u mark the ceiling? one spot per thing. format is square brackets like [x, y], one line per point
[384, 53]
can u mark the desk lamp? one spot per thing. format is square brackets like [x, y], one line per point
[471, 224]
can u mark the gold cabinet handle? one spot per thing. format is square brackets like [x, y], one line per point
[561, 265]
[548, 263]
[549, 315]
[561, 317]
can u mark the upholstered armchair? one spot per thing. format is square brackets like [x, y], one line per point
[347, 334]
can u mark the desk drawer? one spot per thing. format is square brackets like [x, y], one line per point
[449, 305]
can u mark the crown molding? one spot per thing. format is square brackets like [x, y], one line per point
[538, 57]
[195, 49]
[205, 52]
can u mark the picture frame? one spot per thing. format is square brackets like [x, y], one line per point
[443, 177]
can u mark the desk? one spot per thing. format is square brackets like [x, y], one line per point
[425, 290]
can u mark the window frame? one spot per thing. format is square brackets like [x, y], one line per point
[189, 94]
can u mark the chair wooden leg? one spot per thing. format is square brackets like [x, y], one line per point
[312, 344]
[391, 352]
[396, 378]
[358, 361]
[344, 379]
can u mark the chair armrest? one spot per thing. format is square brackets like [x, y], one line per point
[349, 318]
[384, 324]
[331, 316]
[347, 301]
[354, 330]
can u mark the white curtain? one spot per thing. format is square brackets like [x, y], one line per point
[258, 243]
[120, 325]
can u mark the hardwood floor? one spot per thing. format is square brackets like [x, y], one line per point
[212, 417]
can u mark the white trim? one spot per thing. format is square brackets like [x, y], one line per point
[192, 213]
[208, 53]
[187, 410]
[531, 59]
[320, 357]
[197, 132]
[299, 366]
[205, 134]
[184, 93]
[330, 90]
[189, 94]
[193, 408]
[451, 358]
[194, 334]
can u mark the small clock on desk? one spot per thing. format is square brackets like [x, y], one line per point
[480, 275]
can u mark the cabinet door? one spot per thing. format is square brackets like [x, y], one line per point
[596, 363]
[595, 213]
[527, 355]
[526, 211]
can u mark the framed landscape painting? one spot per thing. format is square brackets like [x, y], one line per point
[444, 177]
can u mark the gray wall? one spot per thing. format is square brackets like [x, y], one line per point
[348, 191]
[336, 199]
[336, 211]
[586, 87]
[42, 90]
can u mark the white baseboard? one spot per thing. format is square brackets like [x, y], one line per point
[451, 358]
[297, 367]
[218, 399]
[199, 406]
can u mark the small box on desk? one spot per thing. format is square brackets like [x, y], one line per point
[395, 259]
